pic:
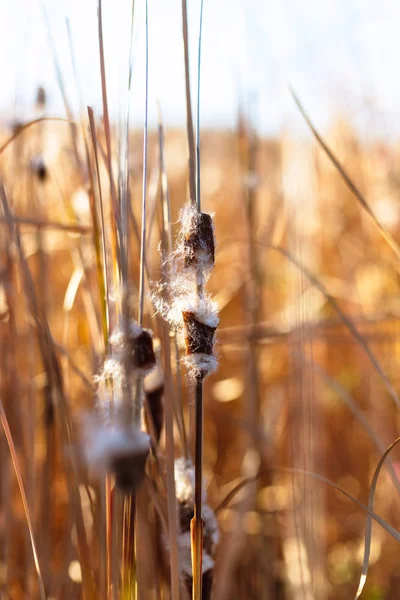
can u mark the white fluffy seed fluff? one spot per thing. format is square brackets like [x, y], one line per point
[103, 443]
[154, 380]
[185, 486]
[112, 369]
[184, 490]
[185, 556]
[184, 480]
[200, 363]
[117, 338]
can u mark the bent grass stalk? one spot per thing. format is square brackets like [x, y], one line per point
[13, 453]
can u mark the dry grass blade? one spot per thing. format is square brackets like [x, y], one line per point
[358, 413]
[99, 234]
[14, 458]
[170, 452]
[198, 190]
[26, 126]
[230, 495]
[189, 114]
[107, 132]
[345, 319]
[144, 184]
[347, 179]
[166, 250]
[62, 87]
[368, 529]
[390, 530]
[40, 224]
[72, 364]
[49, 358]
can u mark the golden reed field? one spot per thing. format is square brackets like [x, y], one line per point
[297, 416]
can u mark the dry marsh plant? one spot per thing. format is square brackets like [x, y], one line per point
[199, 366]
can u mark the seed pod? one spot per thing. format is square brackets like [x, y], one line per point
[143, 351]
[199, 337]
[39, 168]
[198, 241]
[154, 390]
[129, 467]
[40, 98]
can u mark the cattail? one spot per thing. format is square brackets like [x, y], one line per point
[199, 332]
[41, 98]
[198, 245]
[116, 450]
[138, 342]
[185, 493]
[143, 354]
[188, 308]
[154, 390]
[38, 167]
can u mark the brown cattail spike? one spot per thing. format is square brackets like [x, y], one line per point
[128, 468]
[40, 98]
[199, 337]
[198, 243]
[143, 351]
[156, 408]
[39, 168]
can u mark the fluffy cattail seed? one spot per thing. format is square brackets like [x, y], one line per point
[185, 486]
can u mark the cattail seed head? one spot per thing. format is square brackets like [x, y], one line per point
[198, 239]
[40, 98]
[154, 389]
[116, 450]
[144, 357]
[199, 337]
[138, 342]
[199, 332]
[129, 468]
[39, 168]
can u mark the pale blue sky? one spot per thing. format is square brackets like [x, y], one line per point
[340, 55]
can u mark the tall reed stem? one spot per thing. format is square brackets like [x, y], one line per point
[197, 522]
